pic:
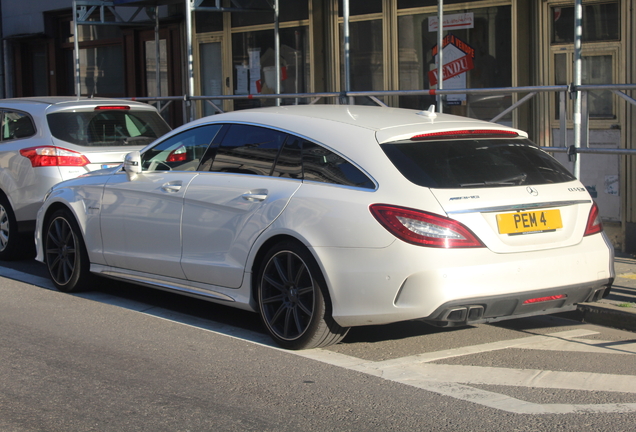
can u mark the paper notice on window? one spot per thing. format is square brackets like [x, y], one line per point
[241, 79]
[255, 69]
[612, 185]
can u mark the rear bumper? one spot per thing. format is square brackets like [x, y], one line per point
[498, 308]
[405, 282]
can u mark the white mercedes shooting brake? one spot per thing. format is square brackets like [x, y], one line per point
[325, 217]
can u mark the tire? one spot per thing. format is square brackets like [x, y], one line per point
[293, 300]
[12, 244]
[65, 253]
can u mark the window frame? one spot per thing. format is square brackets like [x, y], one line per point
[615, 48]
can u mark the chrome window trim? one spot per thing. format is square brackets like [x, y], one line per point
[521, 207]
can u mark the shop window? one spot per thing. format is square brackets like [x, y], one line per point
[253, 59]
[89, 33]
[362, 8]
[211, 73]
[483, 47]
[101, 58]
[365, 57]
[288, 10]
[207, 22]
[599, 55]
[102, 71]
[407, 4]
[600, 23]
[150, 48]
[597, 68]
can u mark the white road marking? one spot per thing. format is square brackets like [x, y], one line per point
[492, 346]
[417, 371]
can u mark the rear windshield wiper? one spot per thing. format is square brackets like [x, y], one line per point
[511, 181]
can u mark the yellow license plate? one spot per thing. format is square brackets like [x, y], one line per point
[525, 222]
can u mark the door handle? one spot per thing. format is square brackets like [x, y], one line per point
[256, 195]
[172, 187]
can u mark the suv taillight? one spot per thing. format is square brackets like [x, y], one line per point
[53, 156]
[594, 224]
[423, 228]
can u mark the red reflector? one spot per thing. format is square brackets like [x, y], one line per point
[111, 107]
[545, 299]
[594, 224]
[468, 133]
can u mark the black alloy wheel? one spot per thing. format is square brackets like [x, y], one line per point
[64, 252]
[293, 300]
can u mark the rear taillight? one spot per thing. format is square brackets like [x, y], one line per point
[423, 228]
[53, 156]
[594, 224]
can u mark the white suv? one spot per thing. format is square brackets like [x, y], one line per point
[45, 140]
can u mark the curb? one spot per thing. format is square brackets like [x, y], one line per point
[608, 316]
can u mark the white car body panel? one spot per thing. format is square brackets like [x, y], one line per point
[478, 209]
[404, 282]
[141, 221]
[222, 217]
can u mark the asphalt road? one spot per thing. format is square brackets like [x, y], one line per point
[126, 358]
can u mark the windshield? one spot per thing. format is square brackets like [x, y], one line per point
[107, 128]
[475, 163]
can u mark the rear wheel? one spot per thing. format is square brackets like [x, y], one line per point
[293, 299]
[65, 253]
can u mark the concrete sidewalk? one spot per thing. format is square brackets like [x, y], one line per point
[618, 310]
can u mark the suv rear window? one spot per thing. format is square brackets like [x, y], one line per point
[107, 128]
[475, 163]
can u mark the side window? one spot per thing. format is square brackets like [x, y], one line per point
[290, 162]
[323, 165]
[248, 150]
[16, 125]
[182, 152]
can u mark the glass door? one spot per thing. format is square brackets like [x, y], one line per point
[157, 72]
[211, 73]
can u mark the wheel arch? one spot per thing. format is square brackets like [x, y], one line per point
[264, 248]
[45, 217]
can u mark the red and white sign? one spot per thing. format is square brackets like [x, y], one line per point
[452, 22]
[453, 68]
[458, 60]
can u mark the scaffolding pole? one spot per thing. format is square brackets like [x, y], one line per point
[578, 66]
[440, 53]
[347, 47]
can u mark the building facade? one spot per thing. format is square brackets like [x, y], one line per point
[393, 46]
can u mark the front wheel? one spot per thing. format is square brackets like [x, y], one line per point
[65, 253]
[293, 299]
[13, 246]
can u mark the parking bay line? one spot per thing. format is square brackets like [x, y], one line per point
[455, 380]
[409, 370]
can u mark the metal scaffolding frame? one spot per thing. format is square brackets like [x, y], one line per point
[84, 12]
[94, 12]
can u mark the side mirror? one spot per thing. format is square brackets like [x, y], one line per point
[132, 164]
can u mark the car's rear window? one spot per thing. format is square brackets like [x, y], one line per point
[475, 163]
[107, 127]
